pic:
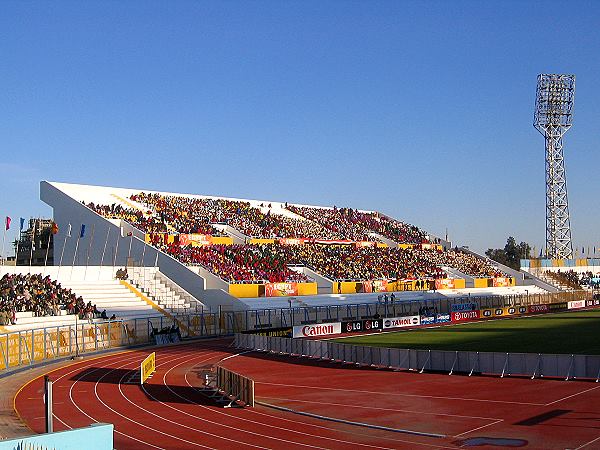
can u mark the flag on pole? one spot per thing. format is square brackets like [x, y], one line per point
[69, 231]
[22, 220]
[54, 228]
[82, 232]
[8, 219]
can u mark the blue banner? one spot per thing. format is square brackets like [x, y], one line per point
[438, 318]
[464, 307]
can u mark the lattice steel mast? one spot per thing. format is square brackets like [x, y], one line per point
[553, 117]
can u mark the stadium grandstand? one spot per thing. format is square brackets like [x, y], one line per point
[220, 250]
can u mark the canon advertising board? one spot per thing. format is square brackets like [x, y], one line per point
[316, 330]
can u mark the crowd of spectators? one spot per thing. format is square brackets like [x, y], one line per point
[143, 221]
[358, 226]
[241, 263]
[253, 263]
[589, 280]
[195, 215]
[40, 295]
[576, 280]
[270, 262]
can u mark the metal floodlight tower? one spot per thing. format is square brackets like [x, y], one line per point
[553, 117]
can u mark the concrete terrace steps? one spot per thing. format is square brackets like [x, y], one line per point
[112, 296]
[160, 289]
[29, 323]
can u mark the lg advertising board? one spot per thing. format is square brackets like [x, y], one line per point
[355, 326]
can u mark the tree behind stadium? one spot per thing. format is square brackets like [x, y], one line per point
[511, 254]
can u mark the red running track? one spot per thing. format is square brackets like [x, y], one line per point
[171, 412]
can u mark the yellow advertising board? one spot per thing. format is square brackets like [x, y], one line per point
[261, 241]
[147, 367]
[307, 288]
[244, 290]
[481, 282]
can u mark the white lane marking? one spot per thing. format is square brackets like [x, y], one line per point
[588, 443]
[79, 367]
[479, 428]
[84, 413]
[403, 395]
[382, 409]
[572, 395]
[262, 423]
[271, 416]
[207, 358]
[186, 356]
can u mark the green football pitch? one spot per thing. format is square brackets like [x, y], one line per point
[569, 332]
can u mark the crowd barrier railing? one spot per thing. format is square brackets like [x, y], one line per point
[33, 346]
[533, 365]
[290, 317]
[29, 347]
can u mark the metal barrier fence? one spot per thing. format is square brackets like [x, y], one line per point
[489, 363]
[288, 317]
[28, 347]
[33, 346]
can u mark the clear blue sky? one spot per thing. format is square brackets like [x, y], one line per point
[422, 110]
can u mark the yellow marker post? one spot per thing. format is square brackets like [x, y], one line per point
[148, 367]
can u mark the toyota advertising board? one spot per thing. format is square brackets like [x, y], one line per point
[315, 330]
[401, 322]
[538, 309]
[462, 316]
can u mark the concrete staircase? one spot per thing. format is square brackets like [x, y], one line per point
[112, 296]
[164, 292]
[552, 278]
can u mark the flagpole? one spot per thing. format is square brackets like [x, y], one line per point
[47, 250]
[62, 253]
[89, 250]
[143, 251]
[17, 249]
[32, 244]
[104, 251]
[2, 258]
[129, 252]
[75, 255]
[116, 253]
